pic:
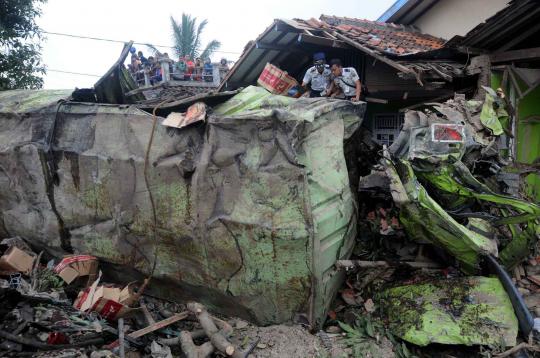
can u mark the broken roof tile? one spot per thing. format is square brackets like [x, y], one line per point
[314, 23]
[381, 36]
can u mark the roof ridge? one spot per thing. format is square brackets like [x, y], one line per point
[382, 23]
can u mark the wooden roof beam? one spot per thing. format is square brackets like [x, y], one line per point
[516, 55]
[322, 41]
[378, 56]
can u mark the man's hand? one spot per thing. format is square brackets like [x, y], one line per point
[354, 99]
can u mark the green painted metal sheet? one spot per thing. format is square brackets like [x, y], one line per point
[468, 310]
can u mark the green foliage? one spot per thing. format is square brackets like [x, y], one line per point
[365, 336]
[20, 51]
[48, 280]
[187, 38]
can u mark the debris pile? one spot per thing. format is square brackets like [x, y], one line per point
[42, 312]
[248, 204]
[445, 254]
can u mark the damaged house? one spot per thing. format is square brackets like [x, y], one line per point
[400, 66]
[259, 205]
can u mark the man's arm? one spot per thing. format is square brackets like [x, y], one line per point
[330, 89]
[306, 80]
[358, 91]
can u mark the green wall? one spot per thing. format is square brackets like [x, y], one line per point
[528, 131]
[528, 137]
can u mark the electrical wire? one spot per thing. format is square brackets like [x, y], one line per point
[118, 41]
[72, 73]
[147, 182]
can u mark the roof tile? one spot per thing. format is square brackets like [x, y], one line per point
[381, 36]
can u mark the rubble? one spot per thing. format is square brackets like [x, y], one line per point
[37, 321]
[442, 176]
[265, 207]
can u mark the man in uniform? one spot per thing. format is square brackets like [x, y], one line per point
[318, 75]
[345, 79]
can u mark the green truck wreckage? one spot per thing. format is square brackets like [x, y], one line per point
[254, 205]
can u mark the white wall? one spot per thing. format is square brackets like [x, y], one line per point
[448, 18]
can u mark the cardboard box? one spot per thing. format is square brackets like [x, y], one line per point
[109, 302]
[16, 260]
[275, 80]
[74, 266]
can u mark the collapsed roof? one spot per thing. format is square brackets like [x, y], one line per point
[398, 46]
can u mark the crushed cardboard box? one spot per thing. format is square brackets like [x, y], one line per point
[195, 113]
[74, 266]
[110, 302]
[16, 260]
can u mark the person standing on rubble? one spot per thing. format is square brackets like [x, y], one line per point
[318, 75]
[345, 79]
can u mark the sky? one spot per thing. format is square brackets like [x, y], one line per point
[232, 22]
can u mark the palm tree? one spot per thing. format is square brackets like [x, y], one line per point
[187, 38]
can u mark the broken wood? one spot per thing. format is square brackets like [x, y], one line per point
[158, 325]
[191, 349]
[196, 334]
[224, 327]
[216, 336]
[376, 100]
[349, 264]
[375, 54]
[522, 345]
[147, 315]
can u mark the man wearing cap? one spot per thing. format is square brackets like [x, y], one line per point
[318, 75]
[345, 79]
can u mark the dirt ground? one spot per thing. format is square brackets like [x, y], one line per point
[284, 341]
[280, 341]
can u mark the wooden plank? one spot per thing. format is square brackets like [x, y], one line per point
[158, 325]
[293, 26]
[504, 81]
[376, 100]
[516, 55]
[372, 53]
[515, 83]
[327, 34]
[274, 47]
[322, 41]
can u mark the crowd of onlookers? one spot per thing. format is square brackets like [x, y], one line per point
[185, 69]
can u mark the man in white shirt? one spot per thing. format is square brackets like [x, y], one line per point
[318, 76]
[345, 79]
